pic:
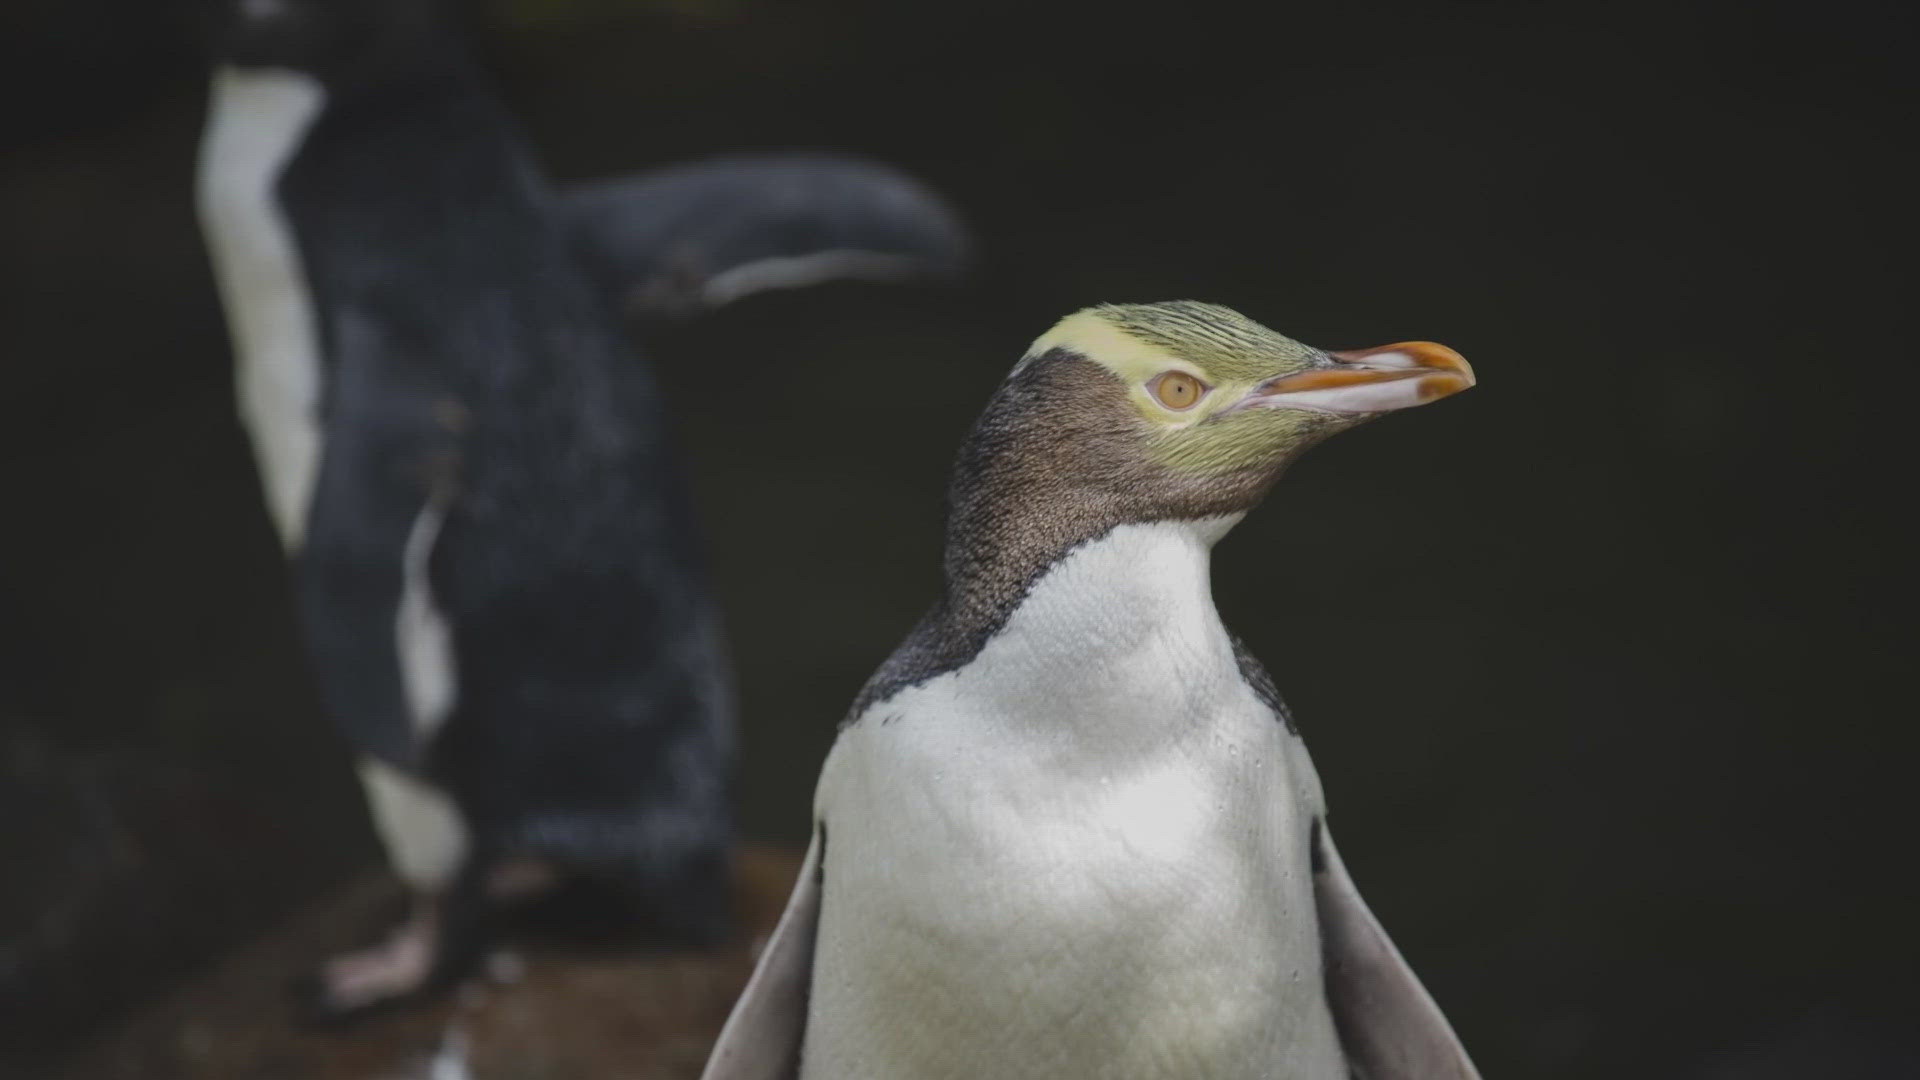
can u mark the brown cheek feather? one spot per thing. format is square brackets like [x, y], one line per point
[1060, 457]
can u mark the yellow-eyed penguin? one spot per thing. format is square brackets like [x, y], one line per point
[500, 581]
[1068, 829]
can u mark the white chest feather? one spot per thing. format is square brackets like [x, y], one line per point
[1090, 845]
[256, 122]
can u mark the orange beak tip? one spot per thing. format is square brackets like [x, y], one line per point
[1435, 387]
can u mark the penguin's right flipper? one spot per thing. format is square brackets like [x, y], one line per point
[386, 454]
[690, 238]
[761, 1039]
[1388, 1023]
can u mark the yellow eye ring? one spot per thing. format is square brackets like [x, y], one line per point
[1177, 390]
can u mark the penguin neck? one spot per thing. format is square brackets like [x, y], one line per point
[1051, 473]
[1123, 623]
[1054, 467]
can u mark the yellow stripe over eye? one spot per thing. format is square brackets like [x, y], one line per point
[1177, 390]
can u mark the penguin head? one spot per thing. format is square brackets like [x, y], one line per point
[1209, 391]
[336, 41]
[1172, 411]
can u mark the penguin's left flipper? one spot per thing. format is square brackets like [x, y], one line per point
[690, 238]
[1388, 1023]
[761, 1039]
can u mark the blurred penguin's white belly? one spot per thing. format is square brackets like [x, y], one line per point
[1098, 876]
[256, 121]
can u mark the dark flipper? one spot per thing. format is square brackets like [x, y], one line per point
[1389, 1025]
[690, 238]
[386, 455]
[761, 1040]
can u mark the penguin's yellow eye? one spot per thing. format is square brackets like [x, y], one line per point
[1177, 390]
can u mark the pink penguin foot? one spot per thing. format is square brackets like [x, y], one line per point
[397, 967]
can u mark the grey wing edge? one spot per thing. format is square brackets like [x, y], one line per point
[1388, 1023]
[762, 1036]
[690, 238]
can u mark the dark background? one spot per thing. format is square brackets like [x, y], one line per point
[1598, 661]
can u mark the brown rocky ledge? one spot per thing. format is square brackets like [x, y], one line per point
[538, 1015]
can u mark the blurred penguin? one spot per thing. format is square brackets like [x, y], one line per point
[500, 583]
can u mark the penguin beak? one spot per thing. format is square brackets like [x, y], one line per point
[1371, 380]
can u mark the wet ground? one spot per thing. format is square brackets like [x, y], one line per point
[539, 1014]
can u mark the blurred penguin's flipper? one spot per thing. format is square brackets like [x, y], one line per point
[761, 1040]
[689, 238]
[366, 602]
[1389, 1025]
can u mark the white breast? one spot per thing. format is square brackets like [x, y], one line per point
[257, 119]
[1089, 846]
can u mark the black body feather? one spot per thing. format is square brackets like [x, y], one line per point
[472, 361]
